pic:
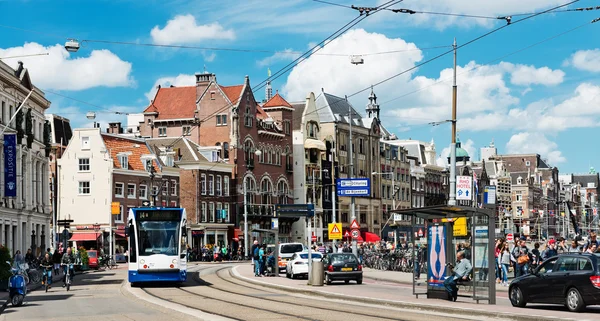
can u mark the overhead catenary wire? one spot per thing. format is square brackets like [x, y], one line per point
[297, 61]
[491, 61]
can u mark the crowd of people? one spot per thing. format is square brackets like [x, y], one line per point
[521, 258]
[50, 262]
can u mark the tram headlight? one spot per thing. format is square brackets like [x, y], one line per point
[174, 261]
[142, 261]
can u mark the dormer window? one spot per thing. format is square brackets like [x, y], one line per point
[123, 160]
[520, 180]
[170, 160]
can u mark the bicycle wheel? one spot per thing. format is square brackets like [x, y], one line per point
[113, 263]
[35, 277]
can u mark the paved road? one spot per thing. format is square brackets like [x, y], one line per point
[93, 296]
[214, 290]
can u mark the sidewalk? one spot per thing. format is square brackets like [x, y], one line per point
[400, 296]
[405, 278]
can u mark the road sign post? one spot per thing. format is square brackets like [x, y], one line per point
[464, 187]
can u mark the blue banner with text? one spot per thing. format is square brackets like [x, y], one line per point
[10, 165]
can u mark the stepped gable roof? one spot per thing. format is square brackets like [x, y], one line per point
[277, 101]
[116, 144]
[174, 103]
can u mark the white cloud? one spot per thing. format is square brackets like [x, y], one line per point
[336, 74]
[469, 146]
[58, 71]
[585, 101]
[524, 75]
[183, 29]
[286, 55]
[588, 60]
[177, 81]
[529, 142]
[76, 114]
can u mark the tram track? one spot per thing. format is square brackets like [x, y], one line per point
[221, 296]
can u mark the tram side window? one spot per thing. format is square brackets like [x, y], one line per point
[132, 246]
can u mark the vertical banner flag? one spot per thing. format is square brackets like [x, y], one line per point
[10, 165]
[436, 240]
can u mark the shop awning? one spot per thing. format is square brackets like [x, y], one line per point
[313, 143]
[372, 237]
[85, 236]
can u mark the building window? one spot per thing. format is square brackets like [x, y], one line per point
[165, 188]
[143, 192]
[203, 184]
[85, 143]
[162, 131]
[203, 212]
[226, 212]
[248, 117]
[123, 160]
[519, 196]
[84, 164]
[361, 146]
[219, 181]
[173, 188]
[212, 95]
[211, 184]
[344, 218]
[220, 215]
[130, 190]
[84, 188]
[226, 185]
[173, 204]
[211, 211]
[226, 150]
[154, 191]
[286, 127]
[527, 163]
[186, 130]
[147, 164]
[119, 187]
[363, 218]
[221, 120]
[119, 217]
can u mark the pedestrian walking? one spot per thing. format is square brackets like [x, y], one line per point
[522, 257]
[505, 262]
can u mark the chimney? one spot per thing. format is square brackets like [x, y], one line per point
[202, 81]
[115, 128]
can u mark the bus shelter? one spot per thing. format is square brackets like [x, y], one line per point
[438, 247]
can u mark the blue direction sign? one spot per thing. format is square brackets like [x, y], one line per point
[353, 186]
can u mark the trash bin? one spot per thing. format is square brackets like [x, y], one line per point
[317, 273]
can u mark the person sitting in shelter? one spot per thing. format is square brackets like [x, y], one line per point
[462, 270]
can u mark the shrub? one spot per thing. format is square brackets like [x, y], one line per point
[4, 267]
[85, 260]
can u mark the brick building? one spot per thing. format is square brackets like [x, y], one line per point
[205, 190]
[255, 139]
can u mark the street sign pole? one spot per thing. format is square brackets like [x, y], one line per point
[351, 173]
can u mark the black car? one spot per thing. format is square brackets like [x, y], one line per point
[571, 279]
[342, 267]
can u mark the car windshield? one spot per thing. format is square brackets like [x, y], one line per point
[291, 248]
[304, 256]
[92, 254]
[158, 237]
[343, 258]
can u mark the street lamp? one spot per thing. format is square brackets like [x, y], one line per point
[257, 153]
[72, 45]
[393, 201]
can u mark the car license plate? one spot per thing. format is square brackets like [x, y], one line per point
[346, 269]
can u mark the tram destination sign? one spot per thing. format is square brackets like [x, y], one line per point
[353, 186]
[158, 215]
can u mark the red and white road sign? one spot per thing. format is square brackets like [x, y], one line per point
[354, 225]
[314, 237]
[347, 234]
[510, 237]
[355, 234]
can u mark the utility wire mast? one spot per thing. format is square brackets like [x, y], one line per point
[452, 200]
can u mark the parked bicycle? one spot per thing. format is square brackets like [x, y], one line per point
[107, 262]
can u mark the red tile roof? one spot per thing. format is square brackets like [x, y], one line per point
[116, 145]
[260, 113]
[174, 103]
[277, 101]
[232, 92]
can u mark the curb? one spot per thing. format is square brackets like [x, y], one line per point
[501, 289]
[399, 304]
[166, 306]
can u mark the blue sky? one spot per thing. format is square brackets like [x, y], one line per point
[544, 99]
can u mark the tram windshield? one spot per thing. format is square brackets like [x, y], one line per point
[158, 236]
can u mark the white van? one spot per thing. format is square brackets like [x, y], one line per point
[286, 251]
